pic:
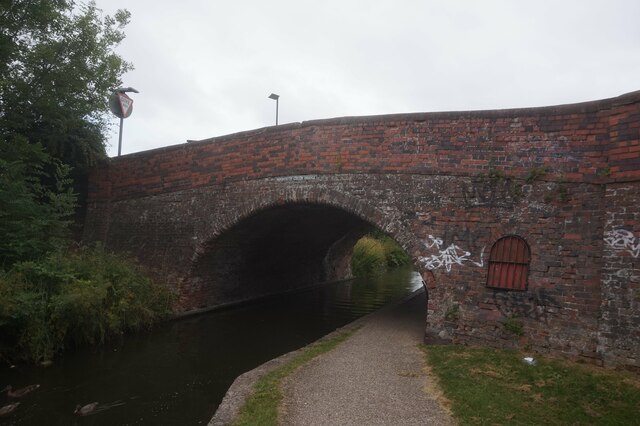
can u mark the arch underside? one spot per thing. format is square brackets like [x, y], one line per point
[275, 250]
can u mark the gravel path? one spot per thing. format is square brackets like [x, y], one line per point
[376, 377]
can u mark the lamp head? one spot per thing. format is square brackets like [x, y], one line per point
[126, 89]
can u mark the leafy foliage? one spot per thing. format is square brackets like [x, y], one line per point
[34, 217]
[394, 254]
[57, 68]
[73, 298]
[368, 257]
[374, 253]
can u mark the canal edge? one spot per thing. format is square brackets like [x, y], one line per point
[243, 386]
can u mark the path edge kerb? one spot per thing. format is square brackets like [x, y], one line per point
[242, 387]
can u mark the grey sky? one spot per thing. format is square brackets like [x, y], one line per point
[205, 68]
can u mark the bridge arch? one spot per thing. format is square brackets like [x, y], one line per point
[366, 211]
[279, 241]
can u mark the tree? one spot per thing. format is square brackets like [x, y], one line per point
[57, 69]
[34, 217]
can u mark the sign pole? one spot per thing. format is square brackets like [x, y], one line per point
[120, 137]
[121, 106]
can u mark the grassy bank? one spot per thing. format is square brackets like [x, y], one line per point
[375, 253]
[74, 297]
[491, 386]
[261, 407]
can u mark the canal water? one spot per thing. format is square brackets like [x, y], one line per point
[179, 372]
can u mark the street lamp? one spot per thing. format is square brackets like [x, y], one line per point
[122, 106]
[275, 98]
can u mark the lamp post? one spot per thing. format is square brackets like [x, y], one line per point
[275, 98]
[122, 106]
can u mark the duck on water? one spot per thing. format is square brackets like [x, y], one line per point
[19, 393]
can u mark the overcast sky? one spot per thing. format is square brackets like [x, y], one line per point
[206, 68]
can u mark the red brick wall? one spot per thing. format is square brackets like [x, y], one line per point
[565, 178]
[619, 331]
[623, 153]
[580, 142]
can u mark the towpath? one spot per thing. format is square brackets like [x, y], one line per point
[376, 377]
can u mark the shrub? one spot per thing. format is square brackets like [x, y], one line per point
[36, 199]
[394, 254]
[368, 257]
[72, 298]
[375, 252]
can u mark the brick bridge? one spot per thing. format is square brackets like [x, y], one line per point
[263, 211]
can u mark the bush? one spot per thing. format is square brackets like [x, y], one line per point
[73, 298]
[394, 254]
[36, 202]
[368, 257]
[375, 253]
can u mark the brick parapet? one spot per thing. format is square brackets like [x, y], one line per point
[593, 141]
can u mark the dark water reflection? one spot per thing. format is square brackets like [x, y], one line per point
[179, 372]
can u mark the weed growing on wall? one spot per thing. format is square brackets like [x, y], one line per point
[535, 174]
[514, 326]
[452, 313]
[497, 176]
[563, 194]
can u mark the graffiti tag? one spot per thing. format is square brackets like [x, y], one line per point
[623, 240]
[522, 305]
[452, 255]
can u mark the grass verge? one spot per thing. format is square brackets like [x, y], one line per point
[261, 408]
[491, 386]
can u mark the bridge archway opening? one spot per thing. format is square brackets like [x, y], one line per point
[274, 250]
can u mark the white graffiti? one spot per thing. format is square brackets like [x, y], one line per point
[452, 255]
[621, 239]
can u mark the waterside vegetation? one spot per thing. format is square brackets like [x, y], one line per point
[58, 67]
[375, 253]
[74, 297]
